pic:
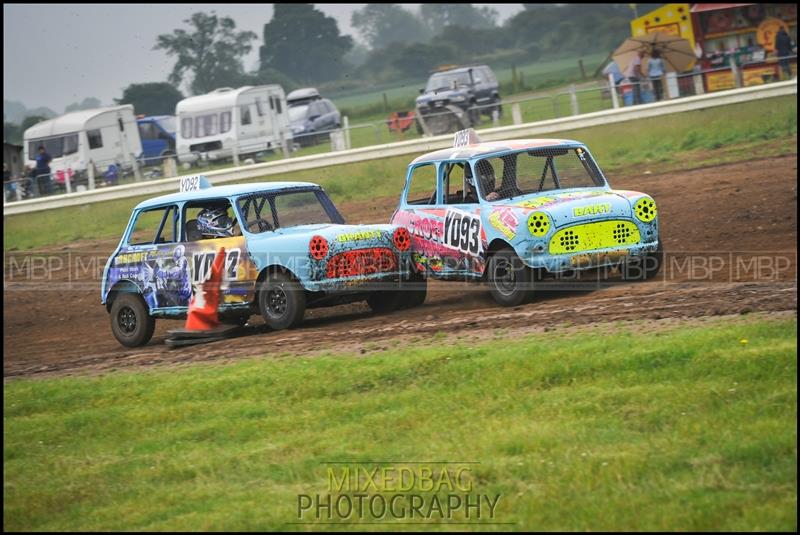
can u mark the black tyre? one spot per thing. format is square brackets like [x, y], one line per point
[510, 280]
[281, 301]
[131, 322]
[413, 291]
[384, 301]
[644, 268]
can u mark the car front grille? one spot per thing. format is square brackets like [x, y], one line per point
[592, 236]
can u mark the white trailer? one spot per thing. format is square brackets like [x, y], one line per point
[232, 123]
[99, 137]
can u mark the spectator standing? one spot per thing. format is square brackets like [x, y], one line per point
[655, 69]
[633, 72]
[783, 45]
[43, 179]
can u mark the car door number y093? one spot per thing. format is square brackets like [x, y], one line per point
[462, 231]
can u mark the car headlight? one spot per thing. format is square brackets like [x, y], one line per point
[645, 209]
[538, 224]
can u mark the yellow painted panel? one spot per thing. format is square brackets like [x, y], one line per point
[591, 236]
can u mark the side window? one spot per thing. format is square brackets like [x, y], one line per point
[244, 113]
[146, 131]
[422, 190]
[456, 192]
[259, 107]
[225, 227]
[154, 226]
[224, 122]
[186, 128]
[278, 106]
[70, 144]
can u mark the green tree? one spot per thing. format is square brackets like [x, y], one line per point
[212, 52]
[437, 16]
[87, 104]
[30, 121]
[304, 43]
[383, 24]
[153, 98]
[12, 133]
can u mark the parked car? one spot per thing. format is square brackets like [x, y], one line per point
[455, 98]
[248, 119]
[513, 212]
[286, 249]
[157, 133]
[101, 136]
[311, 117]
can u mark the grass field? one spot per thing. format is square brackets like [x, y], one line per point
[729, 133]
[676, 429]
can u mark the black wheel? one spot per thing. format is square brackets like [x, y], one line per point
[643, 268]
[510, 280]
[131, 322]
[413, 291]
[384, 300]
[281, 301]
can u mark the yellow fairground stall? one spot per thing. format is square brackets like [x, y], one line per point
[721, 34]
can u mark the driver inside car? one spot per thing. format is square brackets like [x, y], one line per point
[487, 178]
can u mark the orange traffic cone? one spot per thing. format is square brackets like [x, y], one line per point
[203, 307]
[202, 321]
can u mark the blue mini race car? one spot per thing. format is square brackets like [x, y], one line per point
[286, 249]
[512, 212]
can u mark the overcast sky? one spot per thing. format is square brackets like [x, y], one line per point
[54, 55]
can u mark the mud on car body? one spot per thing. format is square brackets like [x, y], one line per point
[286, 249]
[512, 212]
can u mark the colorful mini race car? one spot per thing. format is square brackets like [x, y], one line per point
[513, 212]
[286, 249]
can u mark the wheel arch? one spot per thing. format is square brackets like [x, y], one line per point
[122, 286]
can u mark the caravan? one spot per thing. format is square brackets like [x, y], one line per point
[249, 120]
[101, 137]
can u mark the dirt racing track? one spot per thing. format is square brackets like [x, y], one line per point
[730, 232]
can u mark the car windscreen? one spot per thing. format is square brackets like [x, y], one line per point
[298, 113]
[445, 80]
[266, 211]
[532, 171]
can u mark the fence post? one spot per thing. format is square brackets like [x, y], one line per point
[18, 191]
[137, 173]
[672, 85]
[236, 155]
[698, 84]
[284, 145]
[495, 118]
[735, 72]
[583, 71]
[385, 104]
[516, 113]
[170, 167]
[573, 99]
[613, 90]
[68, 182]
[346, 125]
[90, 174]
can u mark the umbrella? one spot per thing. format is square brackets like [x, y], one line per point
[676, 51]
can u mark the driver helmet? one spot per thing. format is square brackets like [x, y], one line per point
[179, 252]
[486, 176]
[215, 222]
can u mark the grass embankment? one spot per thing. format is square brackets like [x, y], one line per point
[677, 429]
[754, 130]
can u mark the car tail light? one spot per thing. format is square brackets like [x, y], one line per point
[402, 239]
[318, 247]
